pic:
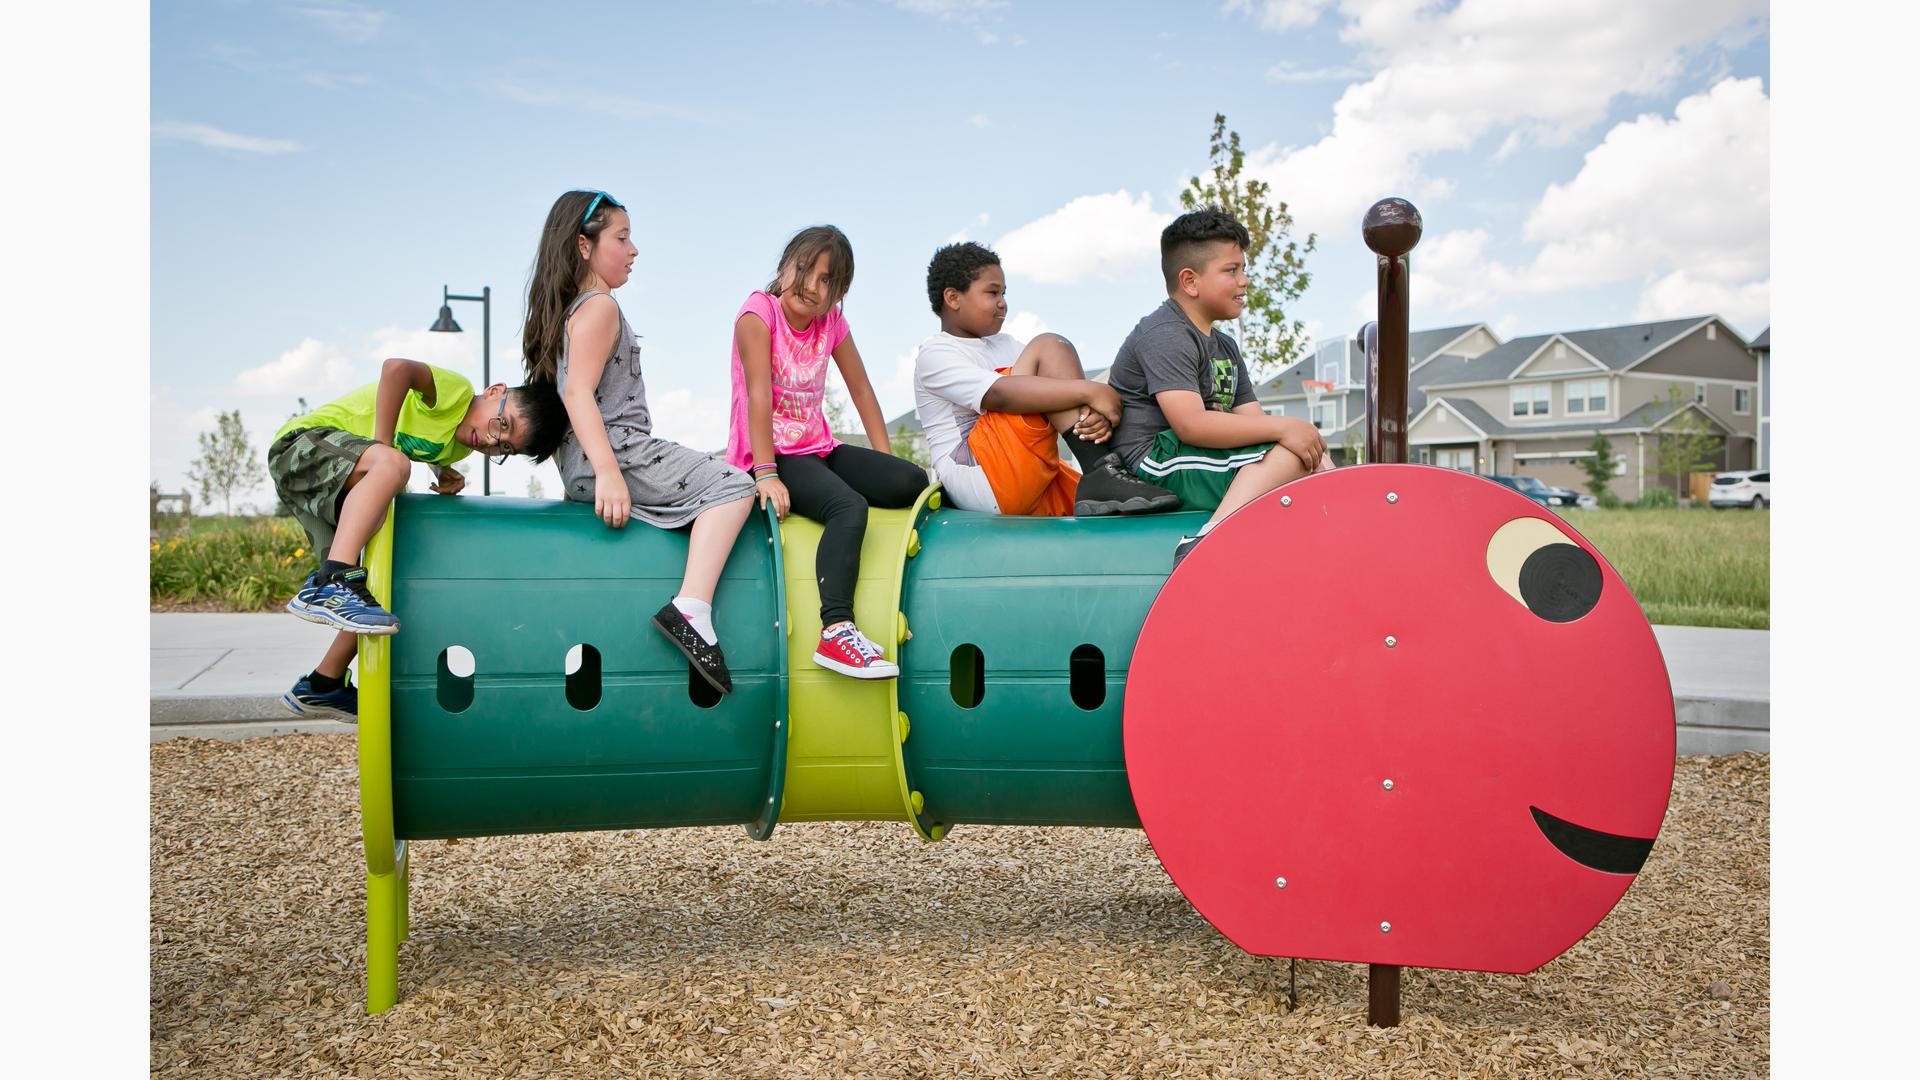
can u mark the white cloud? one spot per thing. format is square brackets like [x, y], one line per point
[1680, 294]
[1661, 193]
[1287, 73]
[1280, 14]
[214, 138]
[1447, 76]
[979, 120]
[618, 106]
[1092, 236]
[1024, 326]
[895, 392]
[354, 22]
[1681, 204]
[460, 352]
[950, 10]
[679, 416]
[310, 369]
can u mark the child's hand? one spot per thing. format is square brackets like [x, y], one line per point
[772, 490]
[1092, 426]
[450, 482]
[1303, 441]
[1105, 400]
[611, 499]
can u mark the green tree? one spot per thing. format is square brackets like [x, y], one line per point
[1599, 470]
[227, 462]
[910, 444]
[534, 490]
[1684, 443]
[1276, 264]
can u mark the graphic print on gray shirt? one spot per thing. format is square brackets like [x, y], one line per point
[1166, 351]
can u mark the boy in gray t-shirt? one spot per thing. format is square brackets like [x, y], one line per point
[1189, 421]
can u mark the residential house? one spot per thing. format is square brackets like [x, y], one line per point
[1534, 404]
[1340, 413]
[1763, 352]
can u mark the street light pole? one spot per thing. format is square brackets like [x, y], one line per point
[445, 325]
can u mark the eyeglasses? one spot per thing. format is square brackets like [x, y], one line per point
[598, 198]
[497, 432]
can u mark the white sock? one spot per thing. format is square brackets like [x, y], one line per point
[699, 615]
[1207, 528]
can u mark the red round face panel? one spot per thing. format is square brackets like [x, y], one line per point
[1396, 714]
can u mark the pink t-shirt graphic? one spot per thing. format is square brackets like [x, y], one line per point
[799, 369]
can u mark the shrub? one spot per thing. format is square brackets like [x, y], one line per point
[246, 565]
[1656, 499]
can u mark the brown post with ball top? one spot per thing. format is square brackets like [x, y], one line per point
[1391, 229]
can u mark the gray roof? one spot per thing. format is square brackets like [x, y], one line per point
[909, 420]
[1760, 344]
[1614, 346]
[1646, 416]
[1421, 344]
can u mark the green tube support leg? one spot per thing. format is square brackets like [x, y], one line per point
[383, 941]
[403, 862]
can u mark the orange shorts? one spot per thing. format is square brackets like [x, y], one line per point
[1020, 455]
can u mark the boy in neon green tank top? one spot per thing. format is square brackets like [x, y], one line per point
[339, 467]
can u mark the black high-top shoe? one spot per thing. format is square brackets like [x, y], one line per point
[1108, 488]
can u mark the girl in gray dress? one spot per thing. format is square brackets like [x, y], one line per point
[577, 339]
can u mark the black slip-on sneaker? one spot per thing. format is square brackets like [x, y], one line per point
[706, 659]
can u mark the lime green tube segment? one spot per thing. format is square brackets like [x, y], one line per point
[843, 757]
[1012, 684]
[530, 692]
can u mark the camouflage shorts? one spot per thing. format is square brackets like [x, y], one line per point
[310, 468]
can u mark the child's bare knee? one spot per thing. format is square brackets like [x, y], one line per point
[1283, 465]
[390, 467]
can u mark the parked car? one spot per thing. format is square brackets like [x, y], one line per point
[1749, 488]
[1532, 488]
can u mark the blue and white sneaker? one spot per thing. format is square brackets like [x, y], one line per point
[343, 603]
[310, 704]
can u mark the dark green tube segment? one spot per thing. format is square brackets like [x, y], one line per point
[628, 740]
[1013, 681]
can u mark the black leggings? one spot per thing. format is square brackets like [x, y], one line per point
[835, 491]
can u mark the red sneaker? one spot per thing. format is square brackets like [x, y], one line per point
[848, 652]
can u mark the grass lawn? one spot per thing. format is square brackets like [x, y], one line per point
[1687, 567]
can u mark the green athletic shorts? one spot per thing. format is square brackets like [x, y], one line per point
[310, 468]
[1198, 474]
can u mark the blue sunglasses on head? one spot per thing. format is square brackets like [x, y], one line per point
[598, 197]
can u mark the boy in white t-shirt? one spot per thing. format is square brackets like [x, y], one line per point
[991, 409]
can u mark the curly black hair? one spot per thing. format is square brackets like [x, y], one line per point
[543, 417]
[1186, 244]
[956, 266]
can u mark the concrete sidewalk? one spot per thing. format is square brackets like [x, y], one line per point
[221, 676]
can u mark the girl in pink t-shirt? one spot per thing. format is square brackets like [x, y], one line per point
[778, 431]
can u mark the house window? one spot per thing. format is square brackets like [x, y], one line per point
[1589, 396]
[1700, 393]
[1324, 415]
[1742, 400]
[1559, 350]
[1709, 331]
[1531, 400]
[1460, 458]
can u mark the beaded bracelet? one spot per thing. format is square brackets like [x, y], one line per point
[760, 472]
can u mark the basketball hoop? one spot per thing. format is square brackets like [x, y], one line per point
[1314, 387]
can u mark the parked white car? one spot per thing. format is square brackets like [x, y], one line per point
[1749, 488]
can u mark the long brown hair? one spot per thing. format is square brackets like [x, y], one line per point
[555, 279]
[804, 250]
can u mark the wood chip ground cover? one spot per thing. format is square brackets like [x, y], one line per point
[854, 950]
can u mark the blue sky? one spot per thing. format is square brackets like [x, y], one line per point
[320, 168]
